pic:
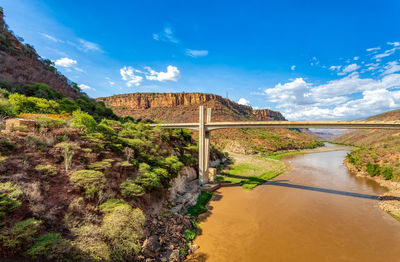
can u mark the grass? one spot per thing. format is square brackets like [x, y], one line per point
[278, 156]
[253, 171]
[200, 206]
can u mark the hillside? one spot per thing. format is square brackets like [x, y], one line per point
[184, 107]
[379, 150]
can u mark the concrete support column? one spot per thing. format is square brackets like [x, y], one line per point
[202, 174]
[207, 145]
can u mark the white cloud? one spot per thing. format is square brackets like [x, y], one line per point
[373, 49]
[89, 46]
[52, 38]
[243, 101]
[129, 76]
[196, 53]
[356, 58]
[172, 74]
[299, 99]
[166, 35]
[293, 67]
[394, 43]
[333, 68]
[85, 87]
[66, 62]
[391, 67]
[349, 68]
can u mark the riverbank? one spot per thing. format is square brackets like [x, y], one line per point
[250, 171]
[389, 201]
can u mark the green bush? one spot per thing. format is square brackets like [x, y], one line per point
[44, 245]
[24, 104]
[148, 180]
[9, 194]
[90, 241]
[83, 121]
[387, 172]
[5, 145]
[110, 204]
[162, 173]
[46, 170]
[100, 166]
[35, 143]
[123, 229]
[6, 109]
[130, 189]
[89, 180]
[373, 169]
[50, 122]
[21, 235]
[190, 235]
[67, 105]
[173, 164]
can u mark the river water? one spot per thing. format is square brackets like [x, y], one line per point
[318, 211]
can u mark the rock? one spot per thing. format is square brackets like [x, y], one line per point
[151, 246]
[193, 248]
[174, 256]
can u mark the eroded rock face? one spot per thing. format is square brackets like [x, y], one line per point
[183, 107]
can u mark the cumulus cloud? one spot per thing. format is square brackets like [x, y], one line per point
[299, 99]
[128, 75]
[66, 62]
[293, 67]
[85, 87]
[172, 74]
[196, 53]
[243, 101]
[356, 58]
[166, 35]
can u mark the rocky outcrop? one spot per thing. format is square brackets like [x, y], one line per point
[183, 107]
[267, 114]
[20, 64]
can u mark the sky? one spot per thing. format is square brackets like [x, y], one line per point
[310, 60]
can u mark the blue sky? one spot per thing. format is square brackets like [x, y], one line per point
[307, 59]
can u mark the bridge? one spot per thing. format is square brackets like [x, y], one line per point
[205, 126]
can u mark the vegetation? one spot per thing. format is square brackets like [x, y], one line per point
[91, 181]
[200, 206]
[46, 170]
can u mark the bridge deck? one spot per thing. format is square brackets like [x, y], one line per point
[288, 124]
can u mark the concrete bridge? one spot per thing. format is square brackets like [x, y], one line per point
[205, 126]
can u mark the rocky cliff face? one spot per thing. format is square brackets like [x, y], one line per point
[183, 107]
[20, 64]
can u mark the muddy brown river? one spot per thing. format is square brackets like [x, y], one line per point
[318, 211]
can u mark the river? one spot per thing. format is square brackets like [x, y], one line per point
[318, 211]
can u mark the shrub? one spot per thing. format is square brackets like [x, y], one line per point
[83, 121]
[67, 151]
[89, 240]
[173, 164]
[50, 122]
[6, 109]
[5, 145]
[101, 165]
[21, 235]
[46, 170]
[372, 169]
[110, 204]
[36, 143]
[148, 180]
[123, 229]
[9, 194]
[11, 190]
[67, 105]
[130, 189]
[190, 235]
[162, 173]
[44, 245]
[89, 180]
[23, 104]
[387, 172]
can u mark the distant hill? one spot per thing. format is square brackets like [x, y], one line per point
[379, 152]
[183, 107]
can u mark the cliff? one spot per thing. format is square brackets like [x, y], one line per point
[20, 64]
[183, 107]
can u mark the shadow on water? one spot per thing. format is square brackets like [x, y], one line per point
[319, 189]
[283, 183]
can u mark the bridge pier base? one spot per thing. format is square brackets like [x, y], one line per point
[204, 146]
